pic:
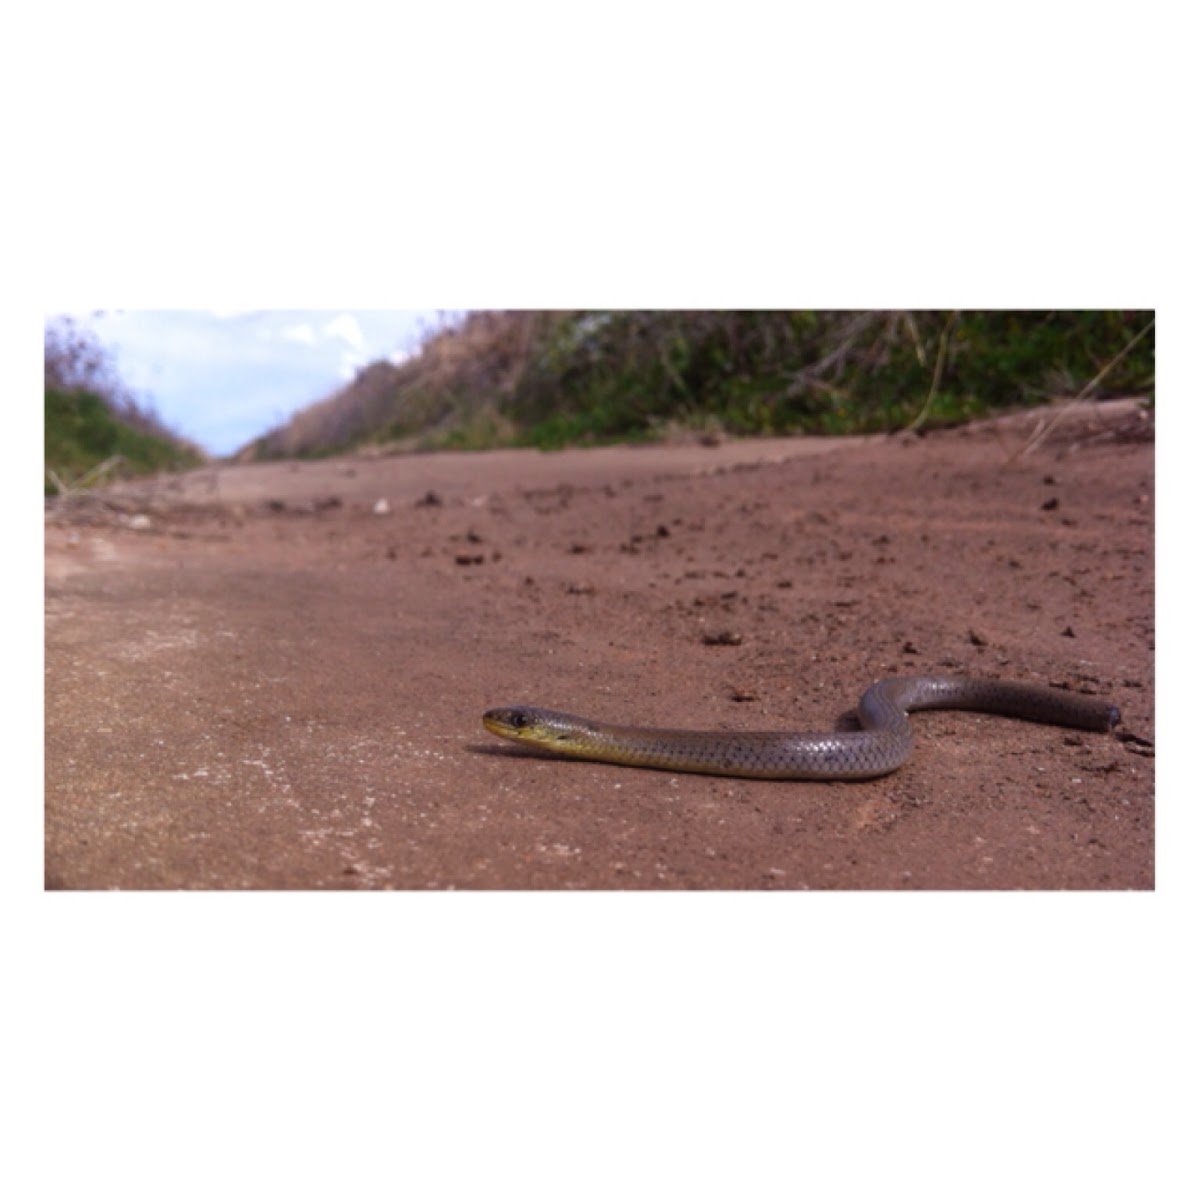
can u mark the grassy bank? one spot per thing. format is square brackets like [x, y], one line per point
[83, 433]
[551, 379]
[95, 430]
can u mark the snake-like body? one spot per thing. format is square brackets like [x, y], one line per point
[883, 744]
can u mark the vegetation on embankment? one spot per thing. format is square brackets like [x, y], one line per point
[550, 379]
[95, 430]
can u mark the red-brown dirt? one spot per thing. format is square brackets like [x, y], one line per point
[256, 677]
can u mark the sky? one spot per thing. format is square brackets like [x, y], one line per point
[221, 378]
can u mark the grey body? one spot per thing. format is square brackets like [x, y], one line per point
[883, 744]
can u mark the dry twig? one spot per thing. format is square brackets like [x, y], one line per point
[1040, 435]
[938, 367]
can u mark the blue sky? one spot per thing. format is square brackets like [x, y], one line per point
[223, 377]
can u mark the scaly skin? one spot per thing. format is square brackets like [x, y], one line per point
[883, 744]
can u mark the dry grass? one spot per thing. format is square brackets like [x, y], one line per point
[461, 378]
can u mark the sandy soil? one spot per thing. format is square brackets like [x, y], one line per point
[272, 676]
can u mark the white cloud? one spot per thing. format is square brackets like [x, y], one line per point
[302, 333]
[346, 327]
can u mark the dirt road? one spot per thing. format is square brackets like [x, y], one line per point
[272, 676]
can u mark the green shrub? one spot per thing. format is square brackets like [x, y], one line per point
[81, 432]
